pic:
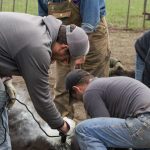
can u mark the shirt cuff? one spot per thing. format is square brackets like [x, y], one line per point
[87, 27]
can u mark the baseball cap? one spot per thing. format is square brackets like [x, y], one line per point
[73, 78]
[77, 41]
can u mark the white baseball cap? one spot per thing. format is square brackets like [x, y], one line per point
[78, 41]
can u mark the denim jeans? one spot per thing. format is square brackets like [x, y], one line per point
[102, 133]
[5, 143]
[139, 68]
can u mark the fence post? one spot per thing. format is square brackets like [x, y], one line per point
[13, 5]
[128, 12]
[144, 13]
[26, 9]
[1, 5]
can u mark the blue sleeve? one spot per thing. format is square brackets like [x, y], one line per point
[42, 7]
[91, 11]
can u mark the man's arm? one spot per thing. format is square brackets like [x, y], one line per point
[33, 63]
[90, 14]
[146, 73]
[94, 105]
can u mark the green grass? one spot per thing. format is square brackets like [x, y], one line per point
[20, 6]
[116, 11]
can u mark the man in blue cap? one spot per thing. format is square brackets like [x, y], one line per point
[119, 108]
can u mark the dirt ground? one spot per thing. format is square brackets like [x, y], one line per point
[122, 47]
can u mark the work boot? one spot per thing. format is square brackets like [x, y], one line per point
[116, 67]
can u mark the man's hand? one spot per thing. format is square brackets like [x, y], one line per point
[10, 89]
[67, 130]
[78, 62]
[119, 66]
[116, 67]
[71, 124]
[68, 126]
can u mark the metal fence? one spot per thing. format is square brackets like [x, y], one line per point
[120, 13]
[127, 13]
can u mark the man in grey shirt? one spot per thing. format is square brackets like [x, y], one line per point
[28, 45]
[122, 105]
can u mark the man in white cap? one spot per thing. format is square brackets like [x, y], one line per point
[28, 45]
[90, 15]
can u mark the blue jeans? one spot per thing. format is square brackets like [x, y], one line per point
[139, 68]
[101, 133]
[5, 143]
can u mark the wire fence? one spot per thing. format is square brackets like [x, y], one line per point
[120, 13]
[25, 6]
[127, 13]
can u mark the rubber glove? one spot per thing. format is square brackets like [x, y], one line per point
[10, 89]
[70, 133]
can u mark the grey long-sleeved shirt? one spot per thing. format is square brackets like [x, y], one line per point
[119, 97]
[25, 49]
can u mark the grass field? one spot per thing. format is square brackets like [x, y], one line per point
[28, 6]
[116, 11]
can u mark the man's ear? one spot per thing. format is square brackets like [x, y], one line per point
[64, 46]
[76, 89]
